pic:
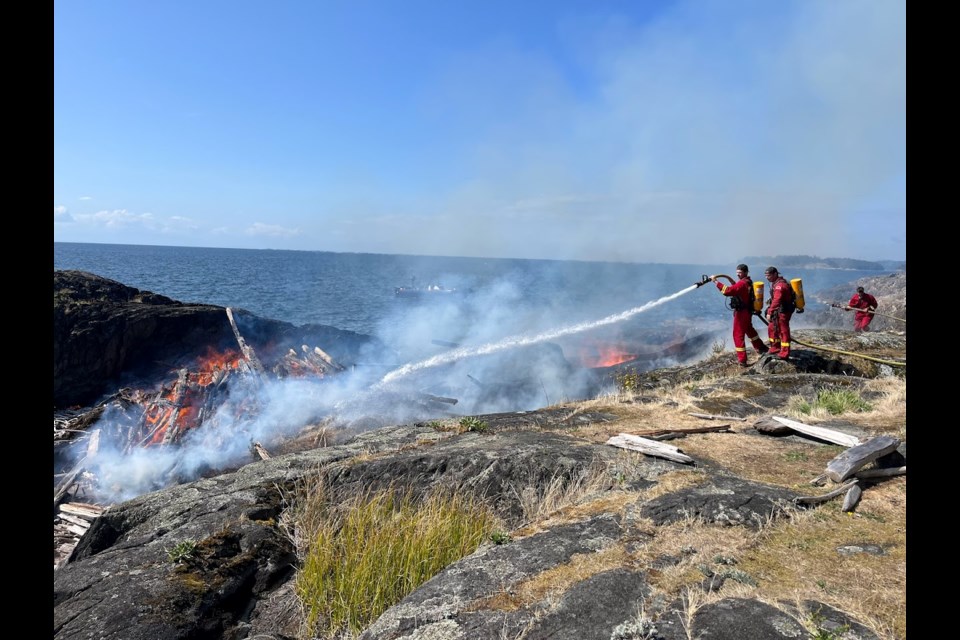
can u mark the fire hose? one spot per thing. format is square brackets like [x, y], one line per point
[705, 279]
[869, 310]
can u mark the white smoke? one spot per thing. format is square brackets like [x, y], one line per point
[253, 412]
[518, 341]
[506, 358]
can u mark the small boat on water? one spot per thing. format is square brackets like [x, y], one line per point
[433, 290]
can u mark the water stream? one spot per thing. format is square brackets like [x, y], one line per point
[518, 341]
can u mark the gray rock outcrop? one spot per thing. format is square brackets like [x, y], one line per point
[579, 576]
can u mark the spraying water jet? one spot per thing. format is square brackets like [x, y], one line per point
[519, 341]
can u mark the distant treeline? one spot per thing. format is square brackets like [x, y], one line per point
[816, 262]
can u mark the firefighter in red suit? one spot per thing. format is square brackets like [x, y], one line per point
[782, 306]
[865, 304]
[741, 301]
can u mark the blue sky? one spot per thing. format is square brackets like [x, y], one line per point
[641, 131]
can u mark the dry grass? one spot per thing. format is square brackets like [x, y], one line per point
[792, 559]
[610, 502]
[889, 413]
[786, 561]
[695, 544]
[797, 559]
[639, 419]
[540, 499]
[550, 585]
[762, 458]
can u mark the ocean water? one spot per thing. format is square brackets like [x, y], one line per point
[526, 334]
[355, 291]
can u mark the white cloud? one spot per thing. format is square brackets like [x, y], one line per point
[125, 220]
[86, 198]
[117, 218]
[60, 214]
[271, 230]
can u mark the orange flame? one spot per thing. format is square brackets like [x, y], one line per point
[178, 404]
[604, 355]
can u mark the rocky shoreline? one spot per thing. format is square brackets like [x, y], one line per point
[718, 549]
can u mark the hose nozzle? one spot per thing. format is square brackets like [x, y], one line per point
[704, 279]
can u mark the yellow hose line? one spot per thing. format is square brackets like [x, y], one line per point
[887, 315]
[850, 353]
[876, 313]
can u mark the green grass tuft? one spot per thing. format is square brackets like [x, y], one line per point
[472, 423]
[795, 456]
[837, 401]
[182, 551]
[831, 401]
[500, 537]
[815, 625]
[627, 380]
[370, 552]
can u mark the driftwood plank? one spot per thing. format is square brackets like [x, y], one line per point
[82, 509]
[820, 480]
[247, 350]
[851, 460]
[673, 435]
[326, 358]
[867, 474]
[821, 433]
[315, 361]
[707, 416]
[94, 443]
[827, 496]
[852, 498]
[433, 398]
[659, 433]
[173, 424]
[67, 483]
[475, 381]
[80, 522]
[649, 447]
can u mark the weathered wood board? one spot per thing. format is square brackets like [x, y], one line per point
[851, 460]
[649, 447]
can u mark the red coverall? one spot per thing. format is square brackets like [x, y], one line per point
[742, 314]
[779, 327]
[862, 319]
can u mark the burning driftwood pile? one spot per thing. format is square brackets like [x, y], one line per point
[162, 417]
[222, 386]
[310, 362]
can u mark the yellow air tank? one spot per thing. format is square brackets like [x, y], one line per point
[797, 285]
[758, 297]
